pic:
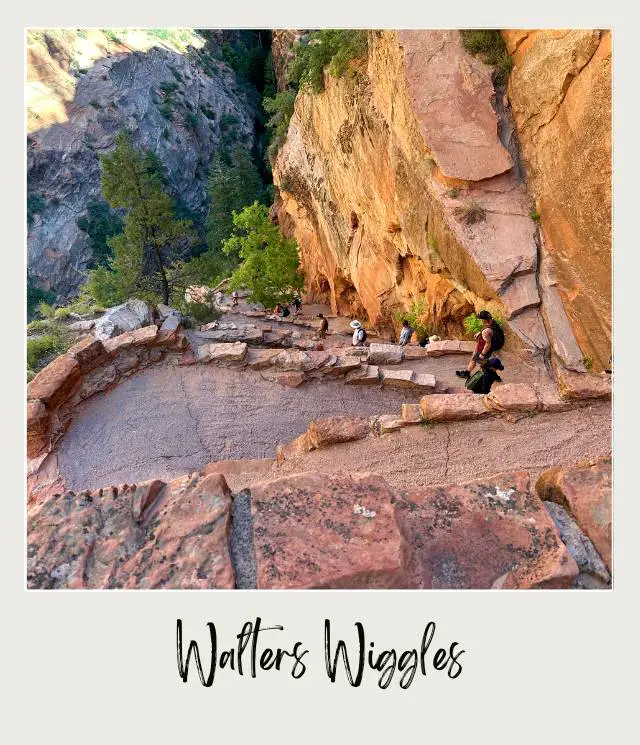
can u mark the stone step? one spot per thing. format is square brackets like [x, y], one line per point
[366, 375]
[408, 379]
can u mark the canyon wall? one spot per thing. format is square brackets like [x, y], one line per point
[560, 94]
[82, 89]
[402, 182]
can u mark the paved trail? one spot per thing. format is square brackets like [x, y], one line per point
[169, 420]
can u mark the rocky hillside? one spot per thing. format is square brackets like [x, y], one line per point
[84, 86]
[403, 181]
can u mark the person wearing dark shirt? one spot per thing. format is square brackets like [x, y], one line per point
[324, 326]
[482, 383]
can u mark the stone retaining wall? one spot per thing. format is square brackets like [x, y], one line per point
[89, 367]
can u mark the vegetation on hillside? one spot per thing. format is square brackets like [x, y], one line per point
[145, 260]
[416, 315]
[100, 223]
[269, 264]
[489, 46]
[328, 48]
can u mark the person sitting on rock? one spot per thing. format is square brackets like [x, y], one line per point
[324, 326]
[359, 334]
[484, 345]
[405, 334]
[482, 380]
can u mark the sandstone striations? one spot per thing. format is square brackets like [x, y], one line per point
[560, 94]
[379, 180]
[170, 102]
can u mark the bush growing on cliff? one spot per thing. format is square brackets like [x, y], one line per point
[270, 264]
[100, 223]
[334, 48]
[416, 317]
[489, 46]
[280, 107]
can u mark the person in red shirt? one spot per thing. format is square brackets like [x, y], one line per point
[483, 347]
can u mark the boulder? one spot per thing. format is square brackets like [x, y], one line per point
[58, 381]
[164, 311]
[222, 352]
[411, 413]
[573, 385]
[260, 359]
[88, 353]
[425, 381]
[493, 532]
[171, 323]
[415, 353]
[82, 326]
[512, 397]
[551, 400]
[251, 334]
[289, 450]
[385, 354]
[397, 378]
[366, 375]
[580, 547]
[450, 346]
[126, 317]
[318, 531]
[153, 535]
[585, 490]
[125, 341]
[342, 366]
[445, 407]
[291, 379]
[389, 423]
[333, 429]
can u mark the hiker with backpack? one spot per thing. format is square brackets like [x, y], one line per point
[482, 380]
[490, 340]
[359, 334]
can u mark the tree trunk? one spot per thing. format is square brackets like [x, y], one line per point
[163, 278]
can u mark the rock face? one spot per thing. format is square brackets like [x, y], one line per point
[560, 95]
[74, 115]
[489, 533]
[365, 180]
[153, 535]
[585, 490]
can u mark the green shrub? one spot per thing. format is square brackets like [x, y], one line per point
[96, 104]
[534, 215]
[453, 193]
[35, 205]
[281, 109]
[208, 111]
[202, 312]
[45, 310]
[41, 347]
[62, 312]
[191, 120]
[334, 48]
[473, 324]
[30, 375]
[489, 46]
[416, 317]
[39, 325]
[587, 362]
[470, 213]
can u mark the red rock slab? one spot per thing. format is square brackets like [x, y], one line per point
[573, 385]
[461, 129]
[44, 479]
[450, 346]
[585, 490]
[145, 335]
[148, 536]
[492, 532]
[512, 397]
[37, 428]
[88, 353]
[452, 407]
[291, 449]
[333, 429]
[57, 382]
[318, 531]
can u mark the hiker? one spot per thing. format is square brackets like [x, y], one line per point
[482, 380]
[324, 326]
[297, 303]
[359, 334]
[234, 298]
[490, 339]
[405, 334]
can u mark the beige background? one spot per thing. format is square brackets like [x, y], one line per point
[94, 667]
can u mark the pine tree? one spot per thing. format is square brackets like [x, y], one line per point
[145, 253]
[270, 264]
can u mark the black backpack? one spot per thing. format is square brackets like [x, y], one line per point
[497, 340]
[362, 335]
[285, 312]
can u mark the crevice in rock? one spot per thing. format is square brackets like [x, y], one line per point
[241, 551]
